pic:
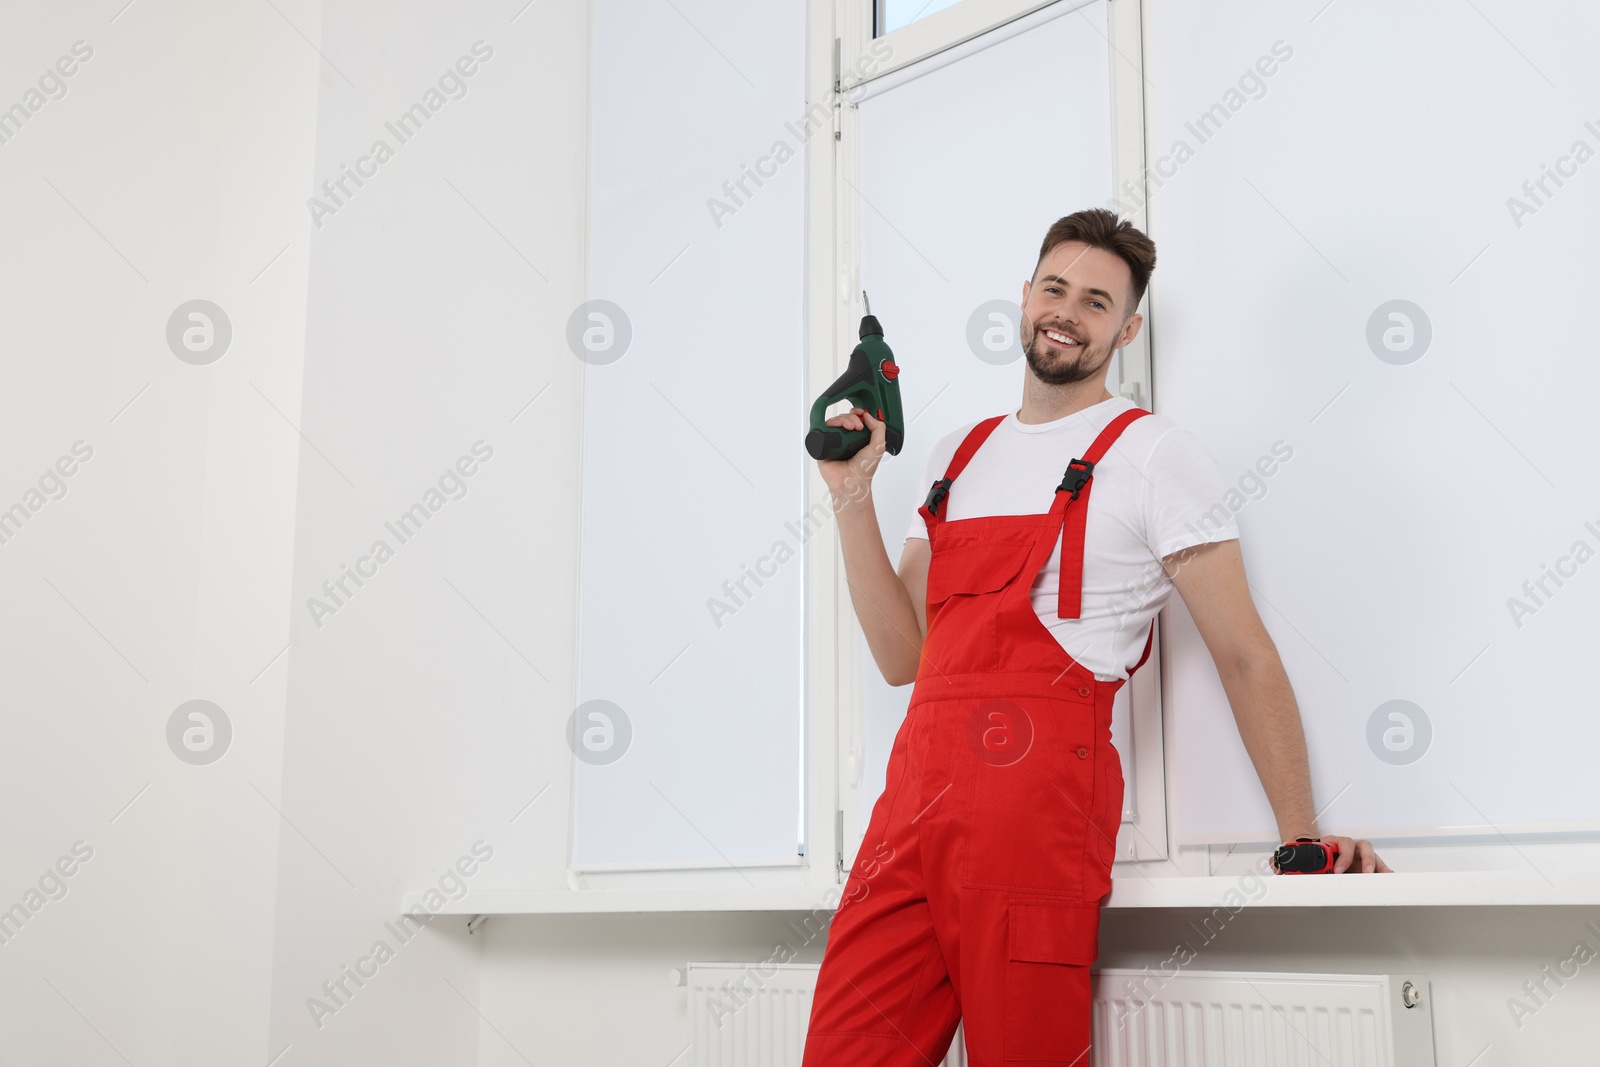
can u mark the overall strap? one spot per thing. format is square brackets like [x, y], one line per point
[1079, 480]
[941, 487]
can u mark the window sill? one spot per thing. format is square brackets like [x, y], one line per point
[1404, 889]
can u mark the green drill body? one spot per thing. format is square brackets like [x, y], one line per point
[871, 381]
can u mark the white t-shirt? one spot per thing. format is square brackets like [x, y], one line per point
[1156, 491]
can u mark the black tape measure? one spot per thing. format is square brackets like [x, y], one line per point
[1305, 855]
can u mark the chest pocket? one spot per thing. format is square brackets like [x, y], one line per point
[971, 570]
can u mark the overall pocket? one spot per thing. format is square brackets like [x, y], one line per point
[1112, 789]
[972, 569]
[1050, 948]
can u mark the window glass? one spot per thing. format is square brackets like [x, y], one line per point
[893, 14]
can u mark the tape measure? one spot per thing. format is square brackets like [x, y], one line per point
[1305, 855]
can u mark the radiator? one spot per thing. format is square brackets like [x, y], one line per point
[755, 1014]
[1266, 1018]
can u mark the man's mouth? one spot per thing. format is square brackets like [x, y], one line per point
[1061, 340]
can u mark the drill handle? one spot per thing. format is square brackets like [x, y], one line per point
[855, 379]
[834, 442]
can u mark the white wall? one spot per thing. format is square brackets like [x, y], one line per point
[428, 709]
[367, 354]
[170, 169]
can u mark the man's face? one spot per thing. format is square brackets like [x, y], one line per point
[1076, 313]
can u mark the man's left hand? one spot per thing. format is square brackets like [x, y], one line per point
[1357, 857]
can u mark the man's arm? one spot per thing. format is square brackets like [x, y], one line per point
[889, 606]
[1210, 578]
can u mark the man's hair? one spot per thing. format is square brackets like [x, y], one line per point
[1099, 228]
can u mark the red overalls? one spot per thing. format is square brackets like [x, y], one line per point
[976, 893]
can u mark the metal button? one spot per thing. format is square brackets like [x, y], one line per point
[1083, 690]
[1083, 753]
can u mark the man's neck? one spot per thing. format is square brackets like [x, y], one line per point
[1047, 403]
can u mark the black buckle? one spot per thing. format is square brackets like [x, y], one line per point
[1074, 480]
[936, 495]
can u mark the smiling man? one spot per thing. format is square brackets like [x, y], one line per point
[977, 890]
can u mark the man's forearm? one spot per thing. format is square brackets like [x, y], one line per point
[1269, 724]
[882, 604]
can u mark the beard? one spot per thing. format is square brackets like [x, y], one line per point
[1054, 366]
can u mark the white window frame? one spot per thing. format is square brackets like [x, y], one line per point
[835, 314]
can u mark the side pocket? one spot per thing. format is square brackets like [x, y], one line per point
[1113, 787]
[1050, 947]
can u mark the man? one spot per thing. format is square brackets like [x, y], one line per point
[1017, 610]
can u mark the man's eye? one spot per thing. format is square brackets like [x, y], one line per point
[1052, 289]
[1097, 304]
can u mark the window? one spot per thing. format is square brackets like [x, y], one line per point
[891, 15]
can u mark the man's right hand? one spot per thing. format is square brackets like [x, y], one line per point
[850, 480]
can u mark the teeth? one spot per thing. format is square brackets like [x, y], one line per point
[1060, 337]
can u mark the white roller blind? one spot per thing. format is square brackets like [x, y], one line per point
[693, 459]
[1428, 482]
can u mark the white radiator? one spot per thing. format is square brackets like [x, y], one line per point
[1265, 1018]
[754, 1015]
[745, 1015]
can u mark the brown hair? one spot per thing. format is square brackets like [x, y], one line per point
[1099, 228]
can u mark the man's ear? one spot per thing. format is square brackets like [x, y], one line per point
[1130, 329]
[1026, 286]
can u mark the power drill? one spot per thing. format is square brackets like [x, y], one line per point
[871, 382]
